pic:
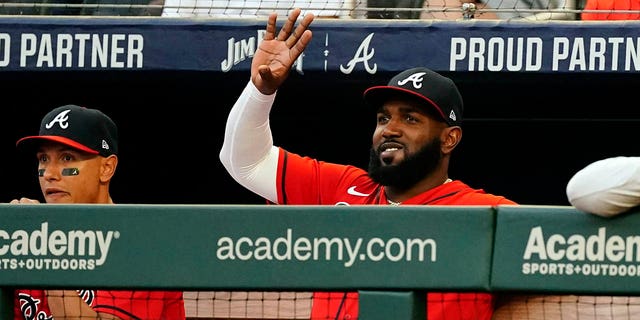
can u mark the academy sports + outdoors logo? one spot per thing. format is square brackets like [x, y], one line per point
[45, 249]
[599, 254]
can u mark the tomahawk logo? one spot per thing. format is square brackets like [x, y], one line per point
[416, 78]
[54, 246]
[105, 145]
[60, 118]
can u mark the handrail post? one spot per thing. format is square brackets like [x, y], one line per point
[6, 303]
[385, 305]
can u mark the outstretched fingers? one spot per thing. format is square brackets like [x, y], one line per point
[272, 62]
[301, 32]
[288, 25]
[299, 46]
[270, 33]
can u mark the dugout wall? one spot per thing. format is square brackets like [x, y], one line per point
[391, 260]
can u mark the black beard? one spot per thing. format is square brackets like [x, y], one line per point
[408, 172]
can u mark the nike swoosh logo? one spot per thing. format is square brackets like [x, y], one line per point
[352, 191]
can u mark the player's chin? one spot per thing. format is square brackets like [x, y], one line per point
[58, 197]
[390, 160]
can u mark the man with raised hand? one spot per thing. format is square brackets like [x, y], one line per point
[419, 117]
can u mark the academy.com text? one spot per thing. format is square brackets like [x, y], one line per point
[347, 250]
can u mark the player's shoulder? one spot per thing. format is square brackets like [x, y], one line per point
[476, 196]
[483, 198]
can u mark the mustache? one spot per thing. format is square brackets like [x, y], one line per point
[389, 143]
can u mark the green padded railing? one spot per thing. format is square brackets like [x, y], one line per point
[391, 255]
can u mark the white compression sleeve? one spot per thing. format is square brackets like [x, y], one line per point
[606, 187]
[248, 152]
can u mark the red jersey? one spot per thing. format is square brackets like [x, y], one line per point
[303, 180]
[127, 305]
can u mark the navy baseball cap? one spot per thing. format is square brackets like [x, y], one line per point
[81, 128]
[437, 91]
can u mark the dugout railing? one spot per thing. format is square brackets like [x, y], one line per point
[391, 255]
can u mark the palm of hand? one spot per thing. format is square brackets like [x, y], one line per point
[275, 56]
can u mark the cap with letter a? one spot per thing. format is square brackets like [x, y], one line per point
[81, 128]
[437, 91]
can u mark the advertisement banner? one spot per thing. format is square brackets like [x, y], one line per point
[339, 46]
[223, 246]
[560, 249]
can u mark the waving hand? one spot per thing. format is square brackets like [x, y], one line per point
[277, 53]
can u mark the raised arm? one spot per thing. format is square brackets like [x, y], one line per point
[606, 187]
[248, 152]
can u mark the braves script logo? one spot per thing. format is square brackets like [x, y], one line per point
[416, 78]
[87, 295]
[29, 308]
[60, 118]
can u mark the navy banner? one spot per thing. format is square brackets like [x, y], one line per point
[339, 46]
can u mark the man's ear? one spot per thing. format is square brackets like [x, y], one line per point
[450, 138]
[108, 168]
